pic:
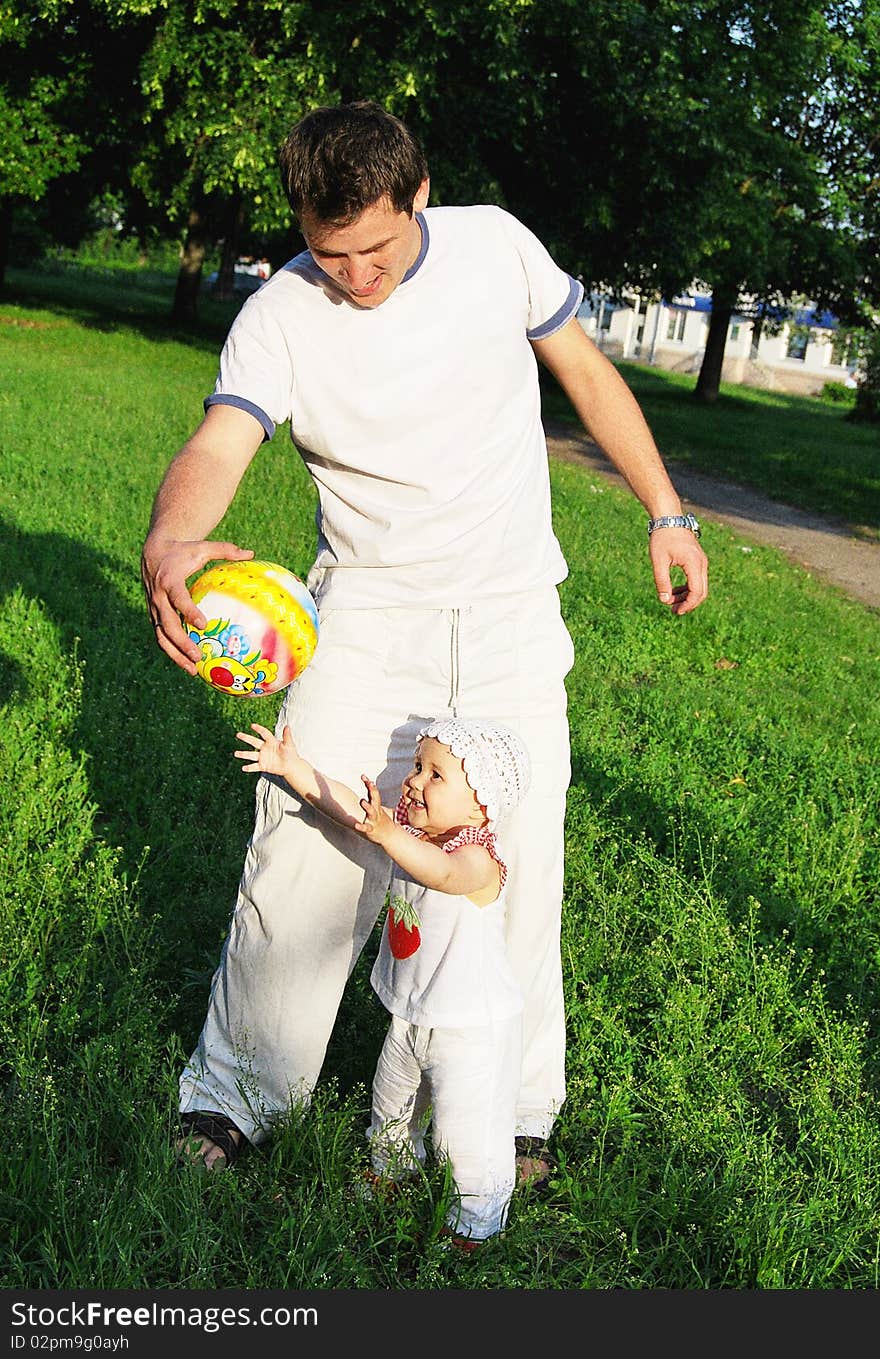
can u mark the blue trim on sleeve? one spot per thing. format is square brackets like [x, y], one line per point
[420, 257]
[565, 313]
[221, 399]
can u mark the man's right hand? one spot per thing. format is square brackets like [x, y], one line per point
[165, 568]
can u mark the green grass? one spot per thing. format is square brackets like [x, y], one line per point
[798, 450]
[721, 939]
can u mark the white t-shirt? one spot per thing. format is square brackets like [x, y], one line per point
[419, 419]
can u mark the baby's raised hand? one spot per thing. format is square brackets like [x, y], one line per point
[267, 755]
[376, 820]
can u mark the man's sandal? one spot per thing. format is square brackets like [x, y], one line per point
[531, 1149]
[217, 1128]
[375, 1186]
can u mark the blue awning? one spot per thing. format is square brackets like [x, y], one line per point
[821, 319]
[689, 302]
[696, 302]
[803, 316]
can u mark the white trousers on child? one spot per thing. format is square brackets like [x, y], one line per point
[311, 891]
[466, 1081]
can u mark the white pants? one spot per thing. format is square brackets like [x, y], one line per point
[466, 1081]
[311, 891]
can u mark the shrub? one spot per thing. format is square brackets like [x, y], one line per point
[838, 394]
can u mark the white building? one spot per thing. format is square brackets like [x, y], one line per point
[806, 353]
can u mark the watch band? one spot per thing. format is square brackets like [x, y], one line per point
[687, 521]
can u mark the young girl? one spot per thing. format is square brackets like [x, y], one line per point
[452, 1051]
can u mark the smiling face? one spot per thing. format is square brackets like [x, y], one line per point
[437, 796]
[370, 256]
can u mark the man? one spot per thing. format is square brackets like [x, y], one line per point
[401, 346]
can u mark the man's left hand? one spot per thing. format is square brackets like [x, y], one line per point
[671, 547]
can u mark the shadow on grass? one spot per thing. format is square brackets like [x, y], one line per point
[158, 748]
[132, 713]
[111, 300]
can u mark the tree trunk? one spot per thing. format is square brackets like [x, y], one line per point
[709, 380]
[867, 407]
[225, 287]
[186, 294]
[6, 210]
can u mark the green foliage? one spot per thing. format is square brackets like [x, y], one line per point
[647, 144]
[34, 149]
[867, 407]
[720, 939]
[650, 145]
[110, 247]
[36, 142]
[838, 394]
[67, 114]
[223, 83]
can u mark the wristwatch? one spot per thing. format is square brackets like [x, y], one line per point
[675, 521]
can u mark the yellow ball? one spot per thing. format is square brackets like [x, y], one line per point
[262, 627]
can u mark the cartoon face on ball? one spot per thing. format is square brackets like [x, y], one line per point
[262, 627]
[223, 670]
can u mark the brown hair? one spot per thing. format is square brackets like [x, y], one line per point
[339, 160]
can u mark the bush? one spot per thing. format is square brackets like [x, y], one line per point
[109, 249]
[838, 394]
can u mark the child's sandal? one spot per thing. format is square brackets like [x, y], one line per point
[467, 1244]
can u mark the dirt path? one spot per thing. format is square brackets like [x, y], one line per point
[825, 549]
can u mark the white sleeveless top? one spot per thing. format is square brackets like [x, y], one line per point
[459, 976]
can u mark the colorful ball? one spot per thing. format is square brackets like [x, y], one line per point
[262, 627]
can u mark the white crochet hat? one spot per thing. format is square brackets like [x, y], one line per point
[496, 764]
